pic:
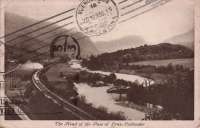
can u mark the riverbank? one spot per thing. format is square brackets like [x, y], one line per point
[99, 97]
[115, 108]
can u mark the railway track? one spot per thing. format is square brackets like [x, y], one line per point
[75, 111]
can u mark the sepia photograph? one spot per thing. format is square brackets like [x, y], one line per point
[119, 60]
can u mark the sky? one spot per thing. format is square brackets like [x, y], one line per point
[164, 22]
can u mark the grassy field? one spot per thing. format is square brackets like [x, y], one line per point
[189, 62]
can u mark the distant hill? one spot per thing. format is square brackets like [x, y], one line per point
[185, 39]
[15, 22]
[144, 52]
[123, 43]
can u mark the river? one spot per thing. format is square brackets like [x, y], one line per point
[99, 97]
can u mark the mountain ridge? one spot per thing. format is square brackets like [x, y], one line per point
[15, 22]
[185, 39]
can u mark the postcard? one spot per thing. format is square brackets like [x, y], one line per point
[99, 63]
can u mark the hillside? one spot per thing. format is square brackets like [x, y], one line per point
[185, 39]
[30, 43]
[145, 52]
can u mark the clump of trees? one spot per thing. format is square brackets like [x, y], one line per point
[176, 96]
[94, 78]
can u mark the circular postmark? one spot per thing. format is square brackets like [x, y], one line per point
[96, 17]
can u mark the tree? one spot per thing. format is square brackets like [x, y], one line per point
[61, 74]
[111, 78]
[64, 58]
